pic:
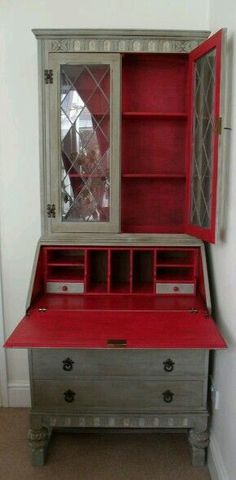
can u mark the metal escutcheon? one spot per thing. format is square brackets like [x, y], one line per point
[168, 365]
[67, 364]
[69, 396]
[168, 396]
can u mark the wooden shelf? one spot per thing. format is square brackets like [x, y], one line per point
[158, 115]
[120, 270]
[97, 288]
[111, 302]
[154, 175]
[120, 288]
[64, 279]
[143, 288]
[175, 265]
[66, 263]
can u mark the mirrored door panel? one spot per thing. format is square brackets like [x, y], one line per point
[86, 158]
[205, 63]
[203, 140]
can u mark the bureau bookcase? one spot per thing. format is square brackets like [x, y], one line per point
[118, 319]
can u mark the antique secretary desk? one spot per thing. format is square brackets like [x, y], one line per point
[118, 323]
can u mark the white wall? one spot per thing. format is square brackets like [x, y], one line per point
[223, 266]
[19, 173]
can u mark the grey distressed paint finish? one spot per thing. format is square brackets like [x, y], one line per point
[67, 42]
[116, 388]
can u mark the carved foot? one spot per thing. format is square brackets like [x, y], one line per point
[199, 442]
[38, 441]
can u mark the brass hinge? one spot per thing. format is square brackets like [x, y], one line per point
[51, 210]
[218, 126]
[48, 76]
[116, 343]
[194, 310]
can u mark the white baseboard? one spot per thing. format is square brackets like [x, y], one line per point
[215, 461]
[19, 395]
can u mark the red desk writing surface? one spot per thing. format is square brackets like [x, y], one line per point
[91, 329]
[132, 303]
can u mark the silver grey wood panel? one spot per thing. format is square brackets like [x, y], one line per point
[48, 364]
[119, 395]
[56, 224]
[176, 288]
[65, 287]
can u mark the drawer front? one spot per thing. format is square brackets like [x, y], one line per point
[61, 363]
[65, 287]
[119, 395]
[175, 288]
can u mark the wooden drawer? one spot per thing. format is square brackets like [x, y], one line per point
[53, 364]
[120, 395]
[65, 287]
[175, 288]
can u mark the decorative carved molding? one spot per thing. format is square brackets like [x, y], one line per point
[199, 439]
[127, 421]
[38, 438]
[120, 44]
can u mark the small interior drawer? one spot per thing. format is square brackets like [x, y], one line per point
[175, 288]
[65, 287]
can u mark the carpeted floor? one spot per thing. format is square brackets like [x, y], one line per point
[95, 457]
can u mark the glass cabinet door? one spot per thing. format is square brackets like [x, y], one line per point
[205, 125]
[84, 126]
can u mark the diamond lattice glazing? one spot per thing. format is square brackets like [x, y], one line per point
[203, 129]
[85, 142]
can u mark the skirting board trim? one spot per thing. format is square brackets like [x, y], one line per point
[19, 395]
[215, 461]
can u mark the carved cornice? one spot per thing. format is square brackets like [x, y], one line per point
[156, 41]
[123, 45]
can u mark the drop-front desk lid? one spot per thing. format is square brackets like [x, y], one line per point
[111, 329]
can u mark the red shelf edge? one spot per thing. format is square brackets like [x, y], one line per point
[161, 115]
[154, 175]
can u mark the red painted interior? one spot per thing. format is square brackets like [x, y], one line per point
[128, 303]
[153, 205]
[90, 329]
[153, 145]
[120, 300]
[117, 270]
[154, 82]
[157, 101]
[154, 118]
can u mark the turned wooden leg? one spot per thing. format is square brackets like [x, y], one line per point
[38, 441]
[199, 441]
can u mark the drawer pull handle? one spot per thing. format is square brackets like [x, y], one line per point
[168, 365]
[67, 364]
[168, 396]
[116, 343]
[69, 396]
